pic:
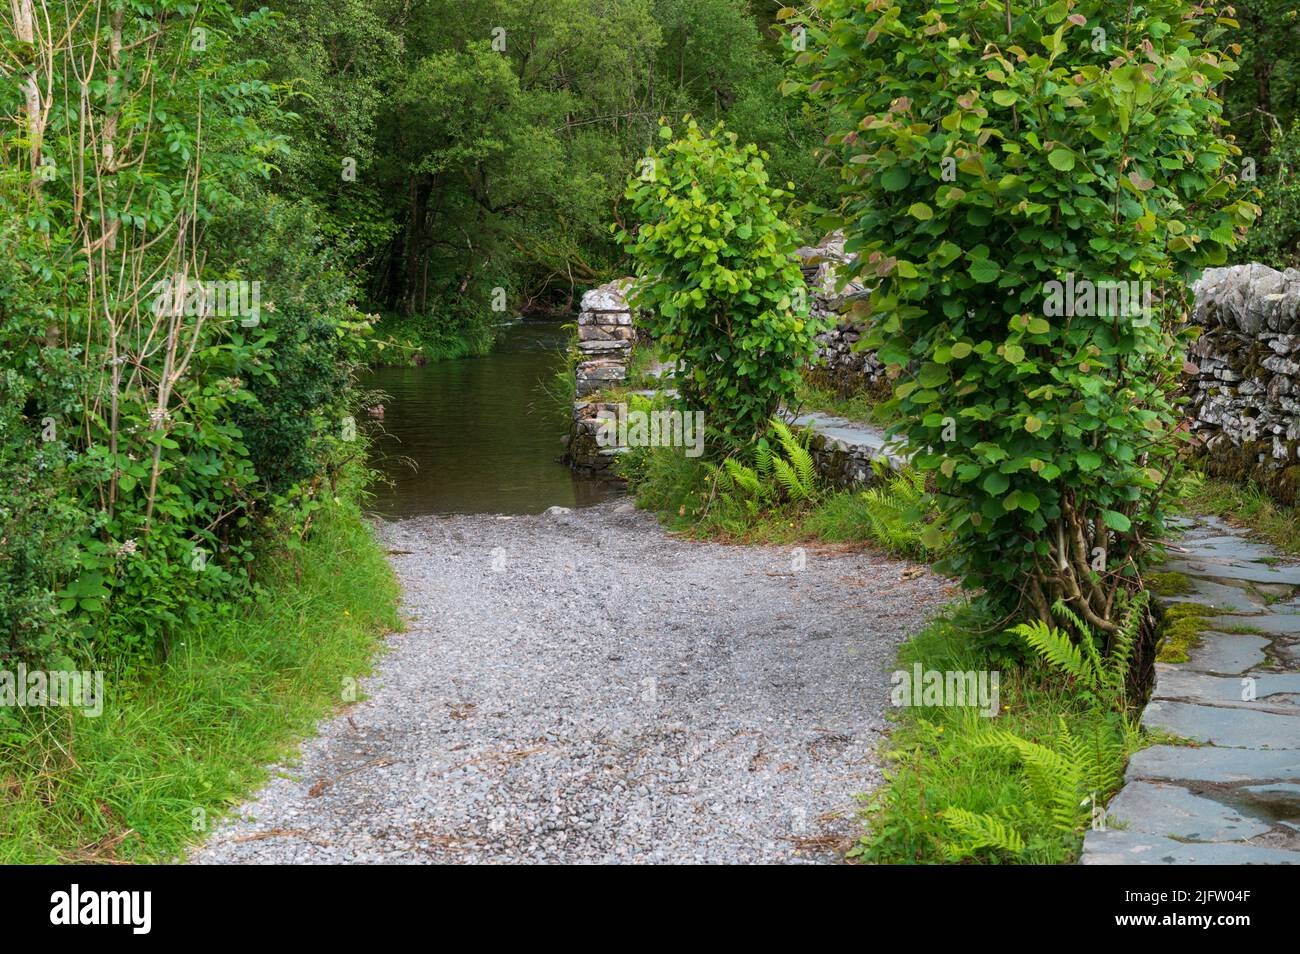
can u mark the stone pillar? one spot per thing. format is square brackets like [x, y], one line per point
[605, 337]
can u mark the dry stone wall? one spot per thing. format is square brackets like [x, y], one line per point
[842, 450]
[1243, 374]
[1244, 385]
[837, 365]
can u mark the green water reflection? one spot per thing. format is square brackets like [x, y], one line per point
[477, 435]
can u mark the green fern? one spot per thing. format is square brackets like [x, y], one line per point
[1101, 678]
[789, 480]
[781, 472]
[980, 832]
[1060, 781]
[800, 459]
[1122, 645]
[1053, 778]
[743, 477]
[1058, 650]
[899, 511]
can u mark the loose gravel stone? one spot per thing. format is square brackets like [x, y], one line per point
[582, 687]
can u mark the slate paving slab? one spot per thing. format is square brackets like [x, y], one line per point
[1282, 624]
[1246, 728]
[1212, 764]
[1221, 596]
[1227, 653]
[1142, 848]
[1235, 799]
[1228, 547]
[1237, 570]
[1167, 809]
[1276, 691]
[1288, 654]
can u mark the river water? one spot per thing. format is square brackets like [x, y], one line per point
[477, 435]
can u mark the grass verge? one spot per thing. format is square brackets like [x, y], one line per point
[701, 499]
[1248, 505]
[178, 746]
[863, 407]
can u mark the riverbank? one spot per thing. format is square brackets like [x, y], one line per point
[177, 747]
[426, 339]
[582, 686]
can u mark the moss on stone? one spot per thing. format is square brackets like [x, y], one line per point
[1168, 584]
[1181, 630]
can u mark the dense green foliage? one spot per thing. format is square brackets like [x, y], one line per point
[469, 156]
[988, 153]
[1275, 238]
[717, 277]
[1263, 101]
[178, 347]
[180, 470]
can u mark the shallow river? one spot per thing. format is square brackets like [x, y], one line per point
[477, 435]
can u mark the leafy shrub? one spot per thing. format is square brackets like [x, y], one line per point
[37, 529]
[39, 384]
[181, 426]
[310, 345]
[1275, 239]
[717, 275]
[992, 149]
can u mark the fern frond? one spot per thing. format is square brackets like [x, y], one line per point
[782, 432]
[1103, 768]
[797, 453]
[1052, 779]
[789, 480]
[743, 477]
[805, 467]
[1057, 649]
[1064, 612]
[1115, 673]
[1087, 639]
[976, 832]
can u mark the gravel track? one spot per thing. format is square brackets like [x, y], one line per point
[578, 686]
